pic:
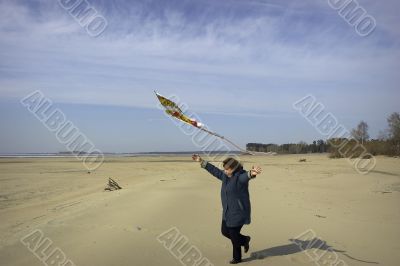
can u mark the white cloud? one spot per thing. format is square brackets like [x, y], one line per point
[269, 55]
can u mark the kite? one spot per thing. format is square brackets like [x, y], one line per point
[173, 110]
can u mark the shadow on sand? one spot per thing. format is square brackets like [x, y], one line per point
[298, 246]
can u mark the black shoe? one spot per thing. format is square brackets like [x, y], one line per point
[246, 245]
[235, 261]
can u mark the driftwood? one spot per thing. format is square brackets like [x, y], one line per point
[303, 160]
[112, 185]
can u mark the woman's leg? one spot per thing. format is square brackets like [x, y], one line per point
[238, 240]
[225, 230]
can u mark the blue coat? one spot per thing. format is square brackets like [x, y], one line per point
[235, 198]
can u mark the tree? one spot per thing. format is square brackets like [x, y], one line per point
[394, 131]
[314, 147]
[301, 147]
[321, 145]
[394, 126]
[360, 133]
[383, 135]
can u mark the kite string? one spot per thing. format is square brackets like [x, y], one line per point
[227, 140]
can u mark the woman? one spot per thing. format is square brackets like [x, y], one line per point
[235, 201]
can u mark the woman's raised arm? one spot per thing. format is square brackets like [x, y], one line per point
[215, 171]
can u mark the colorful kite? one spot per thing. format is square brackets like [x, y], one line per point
[173, 110]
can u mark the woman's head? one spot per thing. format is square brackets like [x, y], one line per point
[230, 166]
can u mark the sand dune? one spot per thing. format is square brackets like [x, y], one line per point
[300, 211]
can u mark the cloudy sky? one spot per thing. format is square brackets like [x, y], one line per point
[238, 64]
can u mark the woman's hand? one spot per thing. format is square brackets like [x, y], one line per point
[197, 158]
[255, 170]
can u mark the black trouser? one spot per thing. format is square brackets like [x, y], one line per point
[238, 240]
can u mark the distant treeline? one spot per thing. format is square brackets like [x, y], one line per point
[358, 144]
[319, 146]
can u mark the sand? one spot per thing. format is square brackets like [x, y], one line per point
[358, 216]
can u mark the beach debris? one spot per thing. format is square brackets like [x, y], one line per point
[112, 185]
[163, 180]
[303, 160]
[383, 192]
[320, 216]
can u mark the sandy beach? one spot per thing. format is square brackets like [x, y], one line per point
[292, 202]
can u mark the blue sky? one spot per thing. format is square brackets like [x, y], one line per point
[238, 64]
